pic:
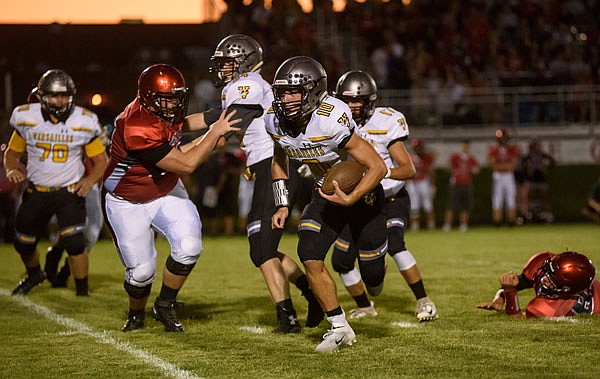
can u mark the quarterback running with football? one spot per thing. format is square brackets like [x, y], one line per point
[56, 135]
[386, 130]
[144, 192]
[236, 63]
[310, 127]
[564, 285]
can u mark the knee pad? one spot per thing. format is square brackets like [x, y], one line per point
[404, 260]
[351, 277]
[25, 245]
[263, 245]
[137, 292]
[342, 259]
[373, 273]
[142, 275]
[191, 246]
[177, 268]
[74, 245]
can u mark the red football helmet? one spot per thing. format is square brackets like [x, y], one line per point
[502, 135]
[565, 275]
[162, 91]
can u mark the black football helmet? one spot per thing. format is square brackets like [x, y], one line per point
[56, 82]
[307, 76]
[162, 91]
[565, 275]
[358, 86]
[242, 51]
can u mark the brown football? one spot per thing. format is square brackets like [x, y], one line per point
[346, 173]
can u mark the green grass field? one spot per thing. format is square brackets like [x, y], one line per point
[51, 333]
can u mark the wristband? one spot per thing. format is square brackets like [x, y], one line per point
[388, 174]
[512, 302]
[499, 294]
[280, 193]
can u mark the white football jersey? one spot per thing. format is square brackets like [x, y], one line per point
[250, 88]
[330, 125]
[383, 127]
[55, 152]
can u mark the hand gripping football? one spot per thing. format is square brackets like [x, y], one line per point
[346, 173]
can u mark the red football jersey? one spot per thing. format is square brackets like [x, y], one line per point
[504, 154]
[130, 178]
[541, 306]
[423, 164]
[462, 167]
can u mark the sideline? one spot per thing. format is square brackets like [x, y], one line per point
[102, 337]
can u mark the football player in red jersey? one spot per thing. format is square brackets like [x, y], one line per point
[503, 158]
[564, 285]
[144, 192]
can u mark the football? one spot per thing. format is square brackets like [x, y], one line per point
[346, 173]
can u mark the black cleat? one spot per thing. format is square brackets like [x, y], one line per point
[133, 322]
[62, 276]
[288, 321]
[164, 311]
[315, 312]
[53, 255]
[28, 283]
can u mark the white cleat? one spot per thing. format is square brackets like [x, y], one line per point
[426, 310]
[363, 312]
[335, 338]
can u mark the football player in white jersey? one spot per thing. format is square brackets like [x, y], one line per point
[313, 128]
[385, 129]
[54, 134]
[236, 63]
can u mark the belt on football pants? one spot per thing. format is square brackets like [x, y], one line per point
[37, 188]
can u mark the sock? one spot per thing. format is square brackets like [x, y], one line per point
[337, 317]
[136, 313]
[284, 305]
[418, 289]
[81, 286]
[362, 300]
[302, 284]
[33, 270]
[167, 293]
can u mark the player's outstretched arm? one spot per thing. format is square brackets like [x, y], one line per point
[188, 158]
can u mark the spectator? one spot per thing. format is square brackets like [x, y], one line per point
[592, 208]
[463, 165]
[536, 166]
[421, 187]
[503, 159]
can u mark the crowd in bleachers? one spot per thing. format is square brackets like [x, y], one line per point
[434, 43]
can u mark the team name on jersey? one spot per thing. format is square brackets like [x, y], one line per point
[52, 137]
[311, 152]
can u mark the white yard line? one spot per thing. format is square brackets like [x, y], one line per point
[102, 337]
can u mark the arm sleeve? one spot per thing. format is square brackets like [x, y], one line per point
[152, 155]
[247, 112]
[212, 115]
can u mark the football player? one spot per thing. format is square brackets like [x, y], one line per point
[93, 222]
[236, 64]
[55, 134]
[144, 192]
[421, 187]
[386, 130]
[503, 158]
[564, 285]
[309, 126]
